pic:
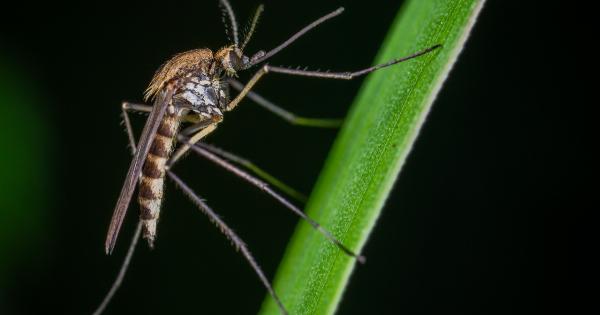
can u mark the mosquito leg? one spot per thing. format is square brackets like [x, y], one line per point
[256, 170]
[121, 275]
[136, 107]
[264, 187]
[287, 115]
[246, 89]
[318, 74]
[349, 75]
[237, 242]
[264, 70]
[200, 130]
[201, 126]
[197, 126]
[126, 108]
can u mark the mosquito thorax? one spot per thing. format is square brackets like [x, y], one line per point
[191, 63]
[205, 95]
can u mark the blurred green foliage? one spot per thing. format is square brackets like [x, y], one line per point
[24, 169]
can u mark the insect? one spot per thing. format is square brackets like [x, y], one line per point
[191, 95]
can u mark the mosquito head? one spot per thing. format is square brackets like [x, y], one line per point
[231, 59]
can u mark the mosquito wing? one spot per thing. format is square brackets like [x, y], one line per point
[133, 174]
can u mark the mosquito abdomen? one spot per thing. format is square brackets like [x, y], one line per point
[153, 176]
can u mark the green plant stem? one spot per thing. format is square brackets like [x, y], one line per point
[367, 156]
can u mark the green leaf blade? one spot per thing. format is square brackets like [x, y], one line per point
[372, 146]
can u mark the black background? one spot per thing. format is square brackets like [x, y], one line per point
[471, 226]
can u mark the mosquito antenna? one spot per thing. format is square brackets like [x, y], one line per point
[230, 234]
[264, 56]
[253, 24]
[227, 9]
[264, 187]
[121, 275]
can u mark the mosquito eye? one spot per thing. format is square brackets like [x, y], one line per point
[231, 62]
[234, 61]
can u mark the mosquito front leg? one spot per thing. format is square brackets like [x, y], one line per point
[285, 114]
[349, 75]
[264, 70]
[319, 74]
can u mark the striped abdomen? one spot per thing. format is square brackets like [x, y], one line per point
[153, 175]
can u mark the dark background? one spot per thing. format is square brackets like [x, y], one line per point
[476, 222]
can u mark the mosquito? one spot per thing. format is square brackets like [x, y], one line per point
[191, 94]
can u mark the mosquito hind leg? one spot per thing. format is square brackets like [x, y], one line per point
[249, 165]
[230, 234]
[264, 187]
[122, 271]
[126, 108]
[285, 114]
